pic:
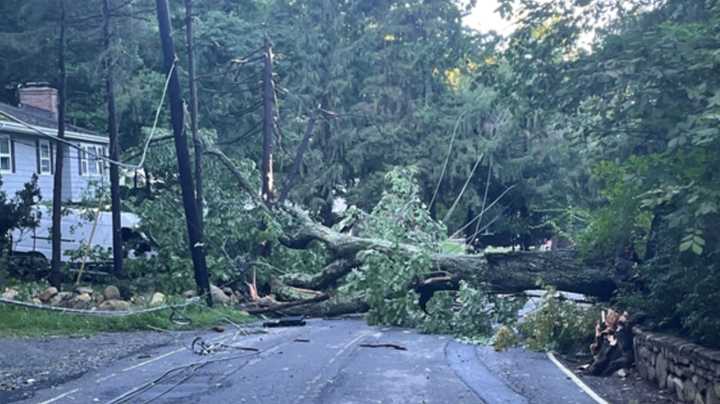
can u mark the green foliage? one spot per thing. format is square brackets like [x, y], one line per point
[559, 325]
[621, 222]
[19, 211]
[400, 216]
[38, 323]
[504, 338]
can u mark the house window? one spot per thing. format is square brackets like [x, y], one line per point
[44, 155]
[5, 154]
[90, 164]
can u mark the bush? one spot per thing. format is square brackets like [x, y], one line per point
[561, 326]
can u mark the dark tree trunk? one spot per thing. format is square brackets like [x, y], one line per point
[507, 272]
[197, 248]
[294, 174]
[197, 143]
[268, 119]
[114, 148]
[56, 275]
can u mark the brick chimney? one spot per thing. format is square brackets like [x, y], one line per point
[39, 95]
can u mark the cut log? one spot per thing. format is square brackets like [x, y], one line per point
[335, 306]
[285, 293]
[265, 306]
[324, 279]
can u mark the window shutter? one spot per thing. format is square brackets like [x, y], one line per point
[12, 153]
[37, 156]
[80, 157]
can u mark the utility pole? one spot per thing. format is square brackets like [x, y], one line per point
[56, 276]
[268, 120]
[197, 248]
[114, 148]
[197, 143]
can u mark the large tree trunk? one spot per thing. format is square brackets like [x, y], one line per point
[502, 272]
[114, 151]
[268, 191]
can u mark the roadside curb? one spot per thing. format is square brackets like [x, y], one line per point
[584, 387]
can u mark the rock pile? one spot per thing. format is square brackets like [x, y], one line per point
[86, 298]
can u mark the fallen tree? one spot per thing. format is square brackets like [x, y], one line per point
[502, 272]
[498, 272]
[315, 294]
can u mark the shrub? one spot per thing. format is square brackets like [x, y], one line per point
[557, 325]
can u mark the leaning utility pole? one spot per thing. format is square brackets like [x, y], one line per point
[197, 143]
[56, 275]
[197, 248]
[268, 121]
[114, 148]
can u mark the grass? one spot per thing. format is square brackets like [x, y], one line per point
[23, 322]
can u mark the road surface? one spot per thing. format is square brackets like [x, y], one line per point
[326, 361]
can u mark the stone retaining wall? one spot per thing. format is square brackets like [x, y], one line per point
[687, 370]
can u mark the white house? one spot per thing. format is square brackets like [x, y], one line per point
[24, 152]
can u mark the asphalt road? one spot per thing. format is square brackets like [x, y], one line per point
[323, 362]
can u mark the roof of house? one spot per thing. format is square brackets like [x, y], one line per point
[39, 117]
[44, 121]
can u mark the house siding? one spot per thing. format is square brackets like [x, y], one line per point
[25, 158]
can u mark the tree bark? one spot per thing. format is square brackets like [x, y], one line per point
[56, 275]
[268, 118]
[197, 142]
[197, 248]
[114, 148]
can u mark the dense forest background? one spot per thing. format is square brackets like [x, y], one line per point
[594, 122]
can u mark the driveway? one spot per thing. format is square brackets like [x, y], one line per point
[326, 361]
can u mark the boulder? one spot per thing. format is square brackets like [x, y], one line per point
[157, 299]
[189, 294]
[61, 299]
[81, 301]
[10, 294]
[112, 293]
[114, 305]
[48, 294]
[218, 295]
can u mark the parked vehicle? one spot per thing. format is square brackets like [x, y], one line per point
[80, 228]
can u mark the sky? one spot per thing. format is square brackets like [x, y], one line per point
[484, 18]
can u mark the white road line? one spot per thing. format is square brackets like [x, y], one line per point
[584, 387]
[102, 379]
[60, 397]
[316, 379]
[157, 358]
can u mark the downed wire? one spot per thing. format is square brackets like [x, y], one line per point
[98, 313]
[192, 366]
[200, 347]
